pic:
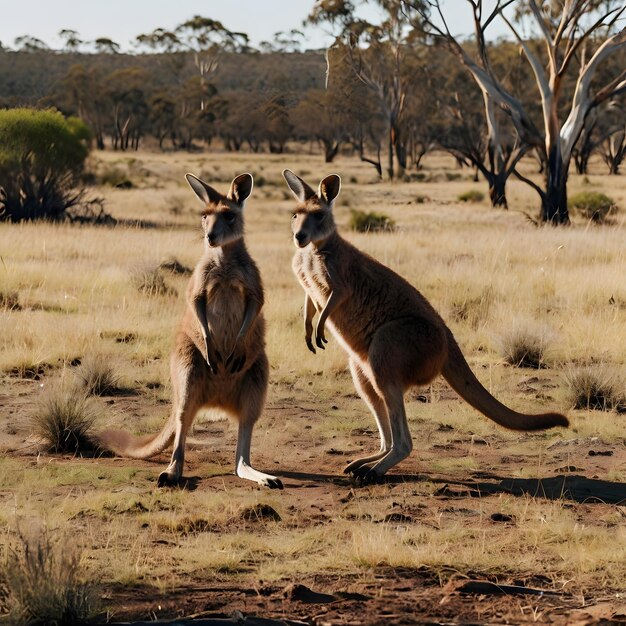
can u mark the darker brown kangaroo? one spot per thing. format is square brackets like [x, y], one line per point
[219, 357]
[393, 336]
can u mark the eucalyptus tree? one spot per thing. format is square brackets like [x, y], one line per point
[104, 45]
[578, 35]
[204, 38]
[377, 54]
[71, 40]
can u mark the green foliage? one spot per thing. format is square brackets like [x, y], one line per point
[41, 156]
[42, 584]
[370, 222]
[592, 205]
[471, 196]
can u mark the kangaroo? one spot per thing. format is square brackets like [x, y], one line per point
[219, 356]
[393, 336]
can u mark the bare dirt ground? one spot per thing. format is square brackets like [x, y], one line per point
[316, 493]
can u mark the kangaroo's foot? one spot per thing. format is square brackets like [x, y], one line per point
[367, 474]
[351, 467]
[249, 473]
[168, 479]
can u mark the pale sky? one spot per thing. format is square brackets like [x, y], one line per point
[123, 20]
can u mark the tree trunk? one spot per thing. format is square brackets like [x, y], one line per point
[330, 150]
[390, 171]
[554, 202]
[497, 190]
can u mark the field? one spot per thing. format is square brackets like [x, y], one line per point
[473, 502]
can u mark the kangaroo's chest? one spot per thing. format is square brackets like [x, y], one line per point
[315, 277]
[225, 306]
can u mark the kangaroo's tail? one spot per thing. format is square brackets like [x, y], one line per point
[142, 447]
[461, 378]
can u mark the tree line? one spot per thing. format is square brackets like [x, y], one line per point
[389, 91]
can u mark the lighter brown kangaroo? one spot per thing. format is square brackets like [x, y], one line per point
[219, 357]
[393, 336]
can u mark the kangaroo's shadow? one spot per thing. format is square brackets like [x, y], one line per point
[568, 487]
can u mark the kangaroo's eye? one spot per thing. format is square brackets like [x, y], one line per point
[293, 217]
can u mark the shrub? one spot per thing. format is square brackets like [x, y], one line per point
[471, 196]
[370, 222]
[64, 418]
[42, 155]
[43, 583]
[592, 205]
[596, 387]
[98, 377]
[115, 177]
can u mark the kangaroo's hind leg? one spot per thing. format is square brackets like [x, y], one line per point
[377, 406]
[249, 405]
[188, 373]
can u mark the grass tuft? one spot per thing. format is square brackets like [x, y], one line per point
[523, 347]
[370, 222]
[597, 388]
[43, 583]
[10, 300]
[97, 377]
[65, 418]
[149, 281]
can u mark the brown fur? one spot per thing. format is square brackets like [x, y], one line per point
[219, 359]
[393, 336]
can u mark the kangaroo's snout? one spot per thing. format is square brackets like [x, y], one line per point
[302, 238]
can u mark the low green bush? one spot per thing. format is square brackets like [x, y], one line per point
[370, 222]
[592, 205]
[42, 155]
[471, 196]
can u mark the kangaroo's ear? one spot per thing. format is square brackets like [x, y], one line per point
[329, 188]
[240, 188]
[205, 193]
[298, 187]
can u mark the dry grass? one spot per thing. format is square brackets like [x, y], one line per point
[44, 582]
[596, 387]
[98, 376]
[64, 418]
[485, 270]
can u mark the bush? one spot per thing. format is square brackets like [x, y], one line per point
[370, 222]
[64, 418]
[471, 196]
[596, 387]
[592, 205]
[42, 155]
[42, 584]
